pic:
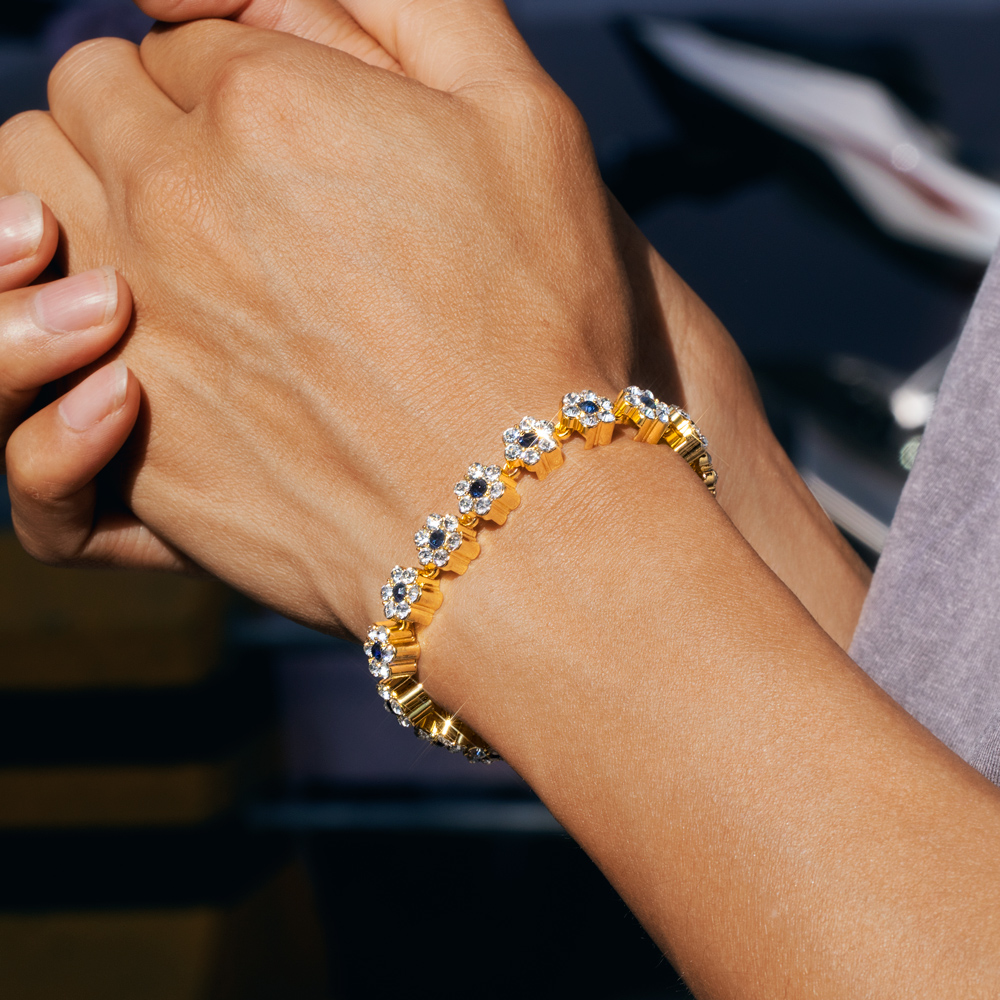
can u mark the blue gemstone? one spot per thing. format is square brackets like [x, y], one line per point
[528, 439]
[478, 488]
[647, 399]
[436, 539]
[399, 593]
[377, 652]
[589, 406]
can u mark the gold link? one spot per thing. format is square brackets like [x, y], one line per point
[511, 469]
[561, 430]
[469, 520]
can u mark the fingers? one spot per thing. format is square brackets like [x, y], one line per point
[447, 44]
[103, 99]
[49, 331]
[35, 154]
[28, 239]
[52, 459]
[202, 61]
[322, 21]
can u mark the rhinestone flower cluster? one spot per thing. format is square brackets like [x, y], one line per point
[446, 543]
[479, 489]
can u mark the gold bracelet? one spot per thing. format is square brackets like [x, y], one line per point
[446, 543]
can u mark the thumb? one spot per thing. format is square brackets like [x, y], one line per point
[447, 44]
[322, 21]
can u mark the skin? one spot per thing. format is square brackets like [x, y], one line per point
[780, 826]
[679, 348]
[53, 464]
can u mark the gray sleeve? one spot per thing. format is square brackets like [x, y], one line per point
[930, 628]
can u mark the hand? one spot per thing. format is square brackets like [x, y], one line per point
[47, 333]
[682, 352]
[379, 274]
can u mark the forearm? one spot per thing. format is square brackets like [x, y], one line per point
[776, 822]
[688, 356]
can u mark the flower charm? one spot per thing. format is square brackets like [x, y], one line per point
[658, 422]
[444, 543]
[645, 411]
[391, 650]
[591, 415]
[487, 492]
[532, 443]
[406, 596]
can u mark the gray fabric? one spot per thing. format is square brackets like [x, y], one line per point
[930, 628]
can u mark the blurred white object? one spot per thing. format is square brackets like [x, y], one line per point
[912, 402]
[890, 162]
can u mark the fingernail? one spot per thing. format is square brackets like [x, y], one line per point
[95, 398]
[21, 226]
[79, 302]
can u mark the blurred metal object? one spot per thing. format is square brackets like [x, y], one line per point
[891, 163]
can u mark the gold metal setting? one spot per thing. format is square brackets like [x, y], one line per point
[448, 542]
[656, 422]
[590, 415]
[465, 553]
[422, 610]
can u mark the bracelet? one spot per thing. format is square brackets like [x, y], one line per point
[446, 543]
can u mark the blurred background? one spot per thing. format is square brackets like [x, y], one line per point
[199, 799]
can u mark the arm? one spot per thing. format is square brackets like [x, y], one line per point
[779, 825]
[300, 427]
[685, 352]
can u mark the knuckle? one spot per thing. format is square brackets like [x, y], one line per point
[39, 550]
[241, 83]
[28, 477]
[17, 133]
[548, 116]
[85, 59]
[558, 116]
